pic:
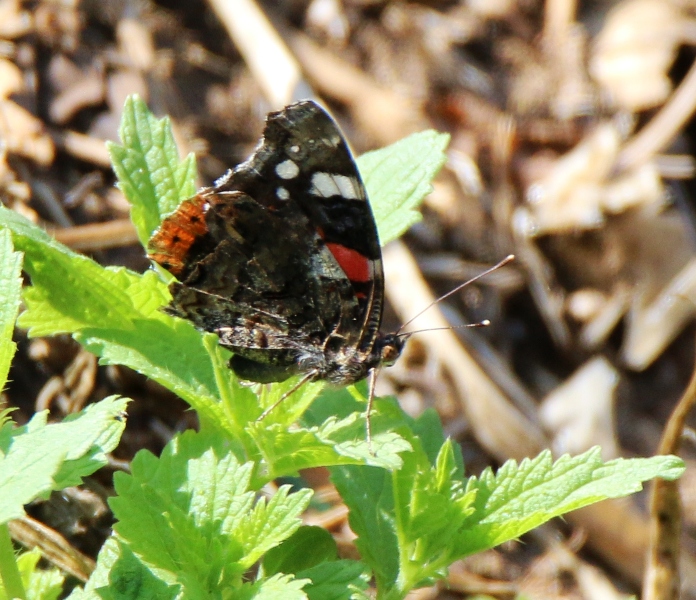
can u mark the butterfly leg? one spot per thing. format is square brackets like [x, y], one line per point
[368, 413]
[308, 377]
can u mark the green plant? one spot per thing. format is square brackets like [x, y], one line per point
[193, 522]
[39, 458]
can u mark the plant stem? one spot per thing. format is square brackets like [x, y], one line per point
[9, 573]
[400, 588]
[395, 593]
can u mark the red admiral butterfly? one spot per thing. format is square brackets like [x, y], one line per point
[281, 258]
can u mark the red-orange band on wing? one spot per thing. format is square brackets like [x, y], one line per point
[355, 265]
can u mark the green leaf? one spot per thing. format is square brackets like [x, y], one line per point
[335, 402]
[431, 506]
[337, 580]
[73, 291]
[192, 514]
[414, 523]
[292, 407]
[278, 587]
[406, 521]
[130, 579]
[121, 574]
[428, 429]
[157, 350]
[10, 289]
[367, 492]
[39, 458]
[381, 525]
[150, 174]
[311, 553]
[520, 497]
[333, 442]
[39, 584]
[306, 548]
[398, 177]
[271, 523]
[109, 554]
[115, 314]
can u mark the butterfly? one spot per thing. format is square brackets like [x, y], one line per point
[281, 258]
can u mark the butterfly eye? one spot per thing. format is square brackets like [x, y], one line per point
[391, 350]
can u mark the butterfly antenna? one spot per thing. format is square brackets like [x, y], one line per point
[506, 260]
[484, 323]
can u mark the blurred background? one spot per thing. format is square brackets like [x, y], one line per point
[572, 142]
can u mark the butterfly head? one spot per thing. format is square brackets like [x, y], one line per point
[388, 348]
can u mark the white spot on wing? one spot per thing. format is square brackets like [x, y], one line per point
[323, 184]
[349, 187]
[282, 193]
[287, 170]
[328, 185]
